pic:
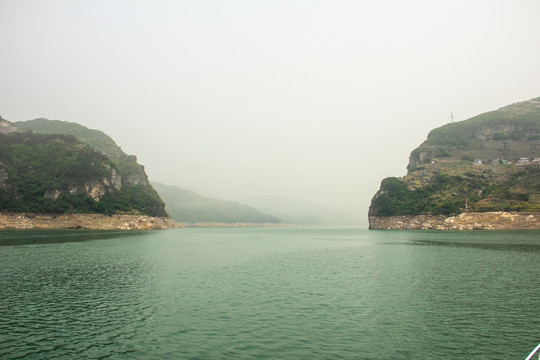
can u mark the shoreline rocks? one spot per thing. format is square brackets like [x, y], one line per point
[85, 221]
[499, 220]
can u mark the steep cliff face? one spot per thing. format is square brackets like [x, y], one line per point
[94, 188]
[488, 163]
[136, 178]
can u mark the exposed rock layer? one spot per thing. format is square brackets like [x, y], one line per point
[6, 127]
[86, 221]
[465, 221]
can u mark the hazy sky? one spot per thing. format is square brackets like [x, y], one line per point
[311, 100]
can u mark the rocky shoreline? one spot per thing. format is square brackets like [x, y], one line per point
[85, 221]
[499, 220]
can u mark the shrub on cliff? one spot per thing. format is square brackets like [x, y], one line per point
[395, 198]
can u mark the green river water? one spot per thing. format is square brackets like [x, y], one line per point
[269, 293]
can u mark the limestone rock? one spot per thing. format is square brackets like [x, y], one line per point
[86, 221]
[498, 220]
[7, 127]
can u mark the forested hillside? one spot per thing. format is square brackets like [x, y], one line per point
[56, 173]
[132, 172]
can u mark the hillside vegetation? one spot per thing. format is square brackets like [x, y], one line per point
[57, 173]
[97, 140]
[490, 162]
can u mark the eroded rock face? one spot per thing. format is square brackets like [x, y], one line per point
[7, 127]
[499, 220]
[136, 179]
[115, 181]
[86, 221]
[94, 188]
[52, 194]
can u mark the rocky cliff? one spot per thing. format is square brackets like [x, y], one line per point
[487, 164]
[50, 172]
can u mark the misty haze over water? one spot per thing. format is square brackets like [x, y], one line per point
[312, 103]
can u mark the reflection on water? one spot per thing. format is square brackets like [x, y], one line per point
[30, 237]
[523, 240]
[486, 246]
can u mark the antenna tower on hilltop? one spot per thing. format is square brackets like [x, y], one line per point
[451, 116]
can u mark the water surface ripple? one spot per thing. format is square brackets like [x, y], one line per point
[287, 293]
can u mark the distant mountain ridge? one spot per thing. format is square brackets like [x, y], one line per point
[186, 206]
[181, 204]
[490, 162]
